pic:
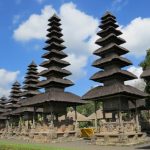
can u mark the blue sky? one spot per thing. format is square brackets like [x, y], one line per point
[20, 44]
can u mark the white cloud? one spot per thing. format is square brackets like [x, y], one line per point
[6, 78]
[40, 68]
[79, 31]
[138, 83]
[137, 35]
[78, 28]
[77, 66]
[34, 27]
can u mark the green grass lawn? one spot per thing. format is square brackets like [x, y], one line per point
[7, 145]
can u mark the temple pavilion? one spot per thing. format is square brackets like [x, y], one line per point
[114, 94]
[55, 99]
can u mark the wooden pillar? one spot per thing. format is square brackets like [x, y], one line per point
[104, 115]
[52, 116]
[57, 117]
[76, 118]
[120, 117]
[136, 117]
[7, 124]
[34, 113]
[95, 111]
[148, 111]
[121, 130]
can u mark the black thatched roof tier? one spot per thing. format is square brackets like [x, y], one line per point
[54, 18]
[2, 110]
[54, 39]
[12, 106]
[54, 27]
[33, 64]
[13, 100]
[109, 30]
[54, 45]
[115, 59]
[54, 33]
[55, 82]
[22, 110]
[53, 96]
[111, 48]
[55, 70]
[30, 80]
[52, 53]
[111, 38]
[146, 74]
[54, 23]
[30, 87]
[107, 15]
[108, 19]
[1, 105]
[30, 94]
[3, 118]
[101, 92]
[108, 24]
[3, 100]
[54, 62]
[113, 74]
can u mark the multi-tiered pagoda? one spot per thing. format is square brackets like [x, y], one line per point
[2, 110]
[55, 99]
[12, 103]
[114, 94]
[31, 80]
[30, 89]
[15, 96]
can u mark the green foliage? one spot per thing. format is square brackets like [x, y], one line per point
[146, 63]
[88, 108]
[7, 145]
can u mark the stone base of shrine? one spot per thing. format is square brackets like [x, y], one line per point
[41, 137]
[120, 138]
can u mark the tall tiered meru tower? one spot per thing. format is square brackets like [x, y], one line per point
[31, 80]
[114, 94]
[54, 64]
[55, 99]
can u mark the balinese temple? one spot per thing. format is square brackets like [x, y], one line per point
[55, 99]
[30, 89]
[12, 103]
[114, 94]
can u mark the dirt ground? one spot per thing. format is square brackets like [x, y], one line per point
[83, 145]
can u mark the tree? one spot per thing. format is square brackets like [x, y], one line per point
[146, 62]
